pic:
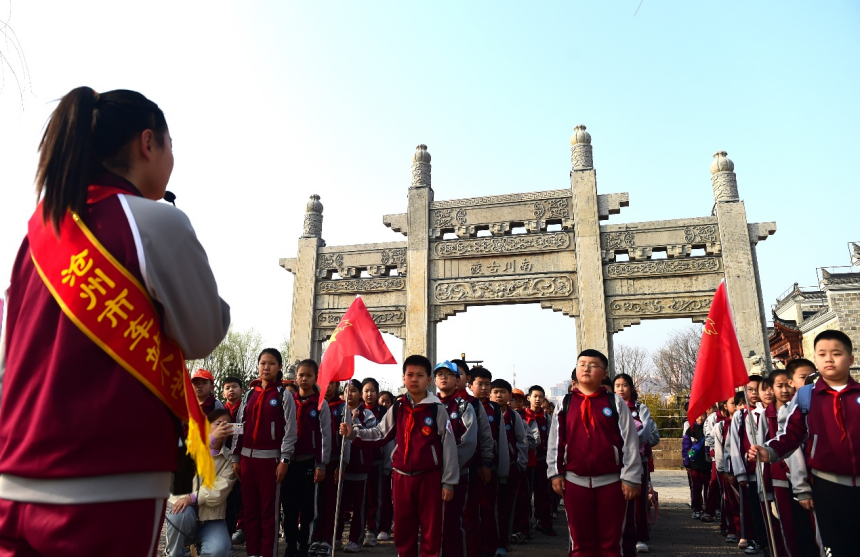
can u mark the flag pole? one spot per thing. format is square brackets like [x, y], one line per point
[340, 471]
[758, 463]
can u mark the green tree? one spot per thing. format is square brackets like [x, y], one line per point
[236, 355]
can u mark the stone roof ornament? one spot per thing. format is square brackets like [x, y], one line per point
[723, 179]
[580, 149]
[855, 254]
[313, 218]
[421, 167]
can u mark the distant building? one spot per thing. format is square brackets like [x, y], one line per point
[800, 313]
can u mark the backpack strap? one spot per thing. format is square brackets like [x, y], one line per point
[565, 403]
[804, 398]
[461, 406]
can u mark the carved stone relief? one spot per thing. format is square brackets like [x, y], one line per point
[312, 227]
[503, 288]
[508, 244]
[661, 306]
[330, 261]
[664, 267]
[330, 319]
[700, 234]
[360, 285]
[394, 257]
[618, 240]
[498, 199]
[553, 209]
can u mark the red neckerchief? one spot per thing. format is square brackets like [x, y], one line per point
[585, 408]
[410, 423]
[232, 407]
[837, 411]
[301, 404]
[532, 416]
[257, 409]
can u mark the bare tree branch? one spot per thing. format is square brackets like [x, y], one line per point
[675, 361]
[635, 361]
[236, 355]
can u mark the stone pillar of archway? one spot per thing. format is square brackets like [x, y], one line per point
[304, 266]
[420, 330]
[591, 323]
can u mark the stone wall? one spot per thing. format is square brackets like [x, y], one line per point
[809, 337]
[847, 306]
[667, 455]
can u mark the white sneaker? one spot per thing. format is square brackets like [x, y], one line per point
[641, 547]
[352, 547]
[383, 537]
[369, 539]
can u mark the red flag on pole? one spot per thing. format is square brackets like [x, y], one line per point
[355, 335]
[720, 366]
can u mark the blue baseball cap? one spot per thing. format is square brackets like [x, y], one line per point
[446, 365]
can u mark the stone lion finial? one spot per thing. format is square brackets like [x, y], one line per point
[421, 154]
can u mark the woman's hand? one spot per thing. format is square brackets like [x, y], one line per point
[281, 472]
[221, 431]
[181, 504]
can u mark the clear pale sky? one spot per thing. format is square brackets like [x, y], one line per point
[269, 102]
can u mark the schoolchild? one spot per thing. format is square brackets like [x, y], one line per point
[480, 468]
[464, 424]
[712, 491]
[354, 490]
[636, 527]
[766, 398]
[518, 449]
[199, 516]
[386, 513]
[500, 468]
[308, 468]
[262, 453]
[204, 387]
[327, 499]
[824, 418]
[593, 460]
[540, 482]
[741, 437]
[108, 158]
[424, 459]
[373, 497]
[693, 451]
[730, 512]
[523, 508]
[231, 389]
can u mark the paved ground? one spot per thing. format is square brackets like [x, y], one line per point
[675, 534]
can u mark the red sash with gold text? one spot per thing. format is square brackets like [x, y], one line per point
[108, 304]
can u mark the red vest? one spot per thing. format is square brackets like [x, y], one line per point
[598, 451]
[454, 407]
[360, 458]
[269, 433]
[336, 408]
[543, 428]
[309, 440]
[419, 446]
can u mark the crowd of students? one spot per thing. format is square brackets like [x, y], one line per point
[777, 464]
[460, 465]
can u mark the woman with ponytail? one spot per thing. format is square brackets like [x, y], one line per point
[109, 292]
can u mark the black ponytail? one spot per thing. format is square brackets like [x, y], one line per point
[86, 133]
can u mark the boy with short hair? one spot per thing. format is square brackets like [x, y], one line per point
[464, 424]
[593, 459]
[231, 390]
[204, 384]
[540, 482]
[824, 419]
[490, 543]
[741, 437]
[480, 471]
[523, 508]
[517, 444]
[425, 459]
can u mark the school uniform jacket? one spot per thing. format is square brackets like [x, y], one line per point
[484, 450]
[609, 453]
[518, 445]
[831, 452]
[337, 408]
[276, 433]
[501, 457]
[361, 459]
[464, 424]
[542, 425]
[721, 455]
[743, 469]
[417, 452]
[87, 431]
[314, 439]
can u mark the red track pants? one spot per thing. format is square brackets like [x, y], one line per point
[324, 527]
[489, 517]
[472, 516]
[386, 515]
[353, 494]
[417, 504]
[106, 529]
[453, 534]
[508, 493]
[595, 516]
[523, 509]
[543, 510]
[260, 505]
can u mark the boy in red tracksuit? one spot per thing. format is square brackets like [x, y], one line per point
[480, 467]
[464, 424]
[262, 453]
[540, 483]
[424, 460]
[327, 501]
[523, 509]
[593, 459]
[490, 543]
[515, 434]
[354, 490]
[824, 418]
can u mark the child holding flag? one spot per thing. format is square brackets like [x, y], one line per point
[354, 490]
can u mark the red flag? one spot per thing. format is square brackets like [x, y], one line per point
[355, 335]
[720, 366]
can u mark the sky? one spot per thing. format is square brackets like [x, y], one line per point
[270, 102]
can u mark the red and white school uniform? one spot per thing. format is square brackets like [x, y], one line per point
[373, 499]
[424, 462]
[593, 445]
[517, 444]
[105, 483]
[483, 457]
[540, 484]
[730, 509]
[354, 490]
[500, 469]
[327, 500]
[464, 425]
[523, 509]
[269, 415]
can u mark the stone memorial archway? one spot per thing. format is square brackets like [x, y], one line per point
[445, 265]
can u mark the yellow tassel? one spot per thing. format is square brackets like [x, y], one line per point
[199, 452]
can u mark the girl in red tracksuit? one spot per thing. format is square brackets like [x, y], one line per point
[313, 449]
[354, 491]
[262, 452]
[593, 460]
